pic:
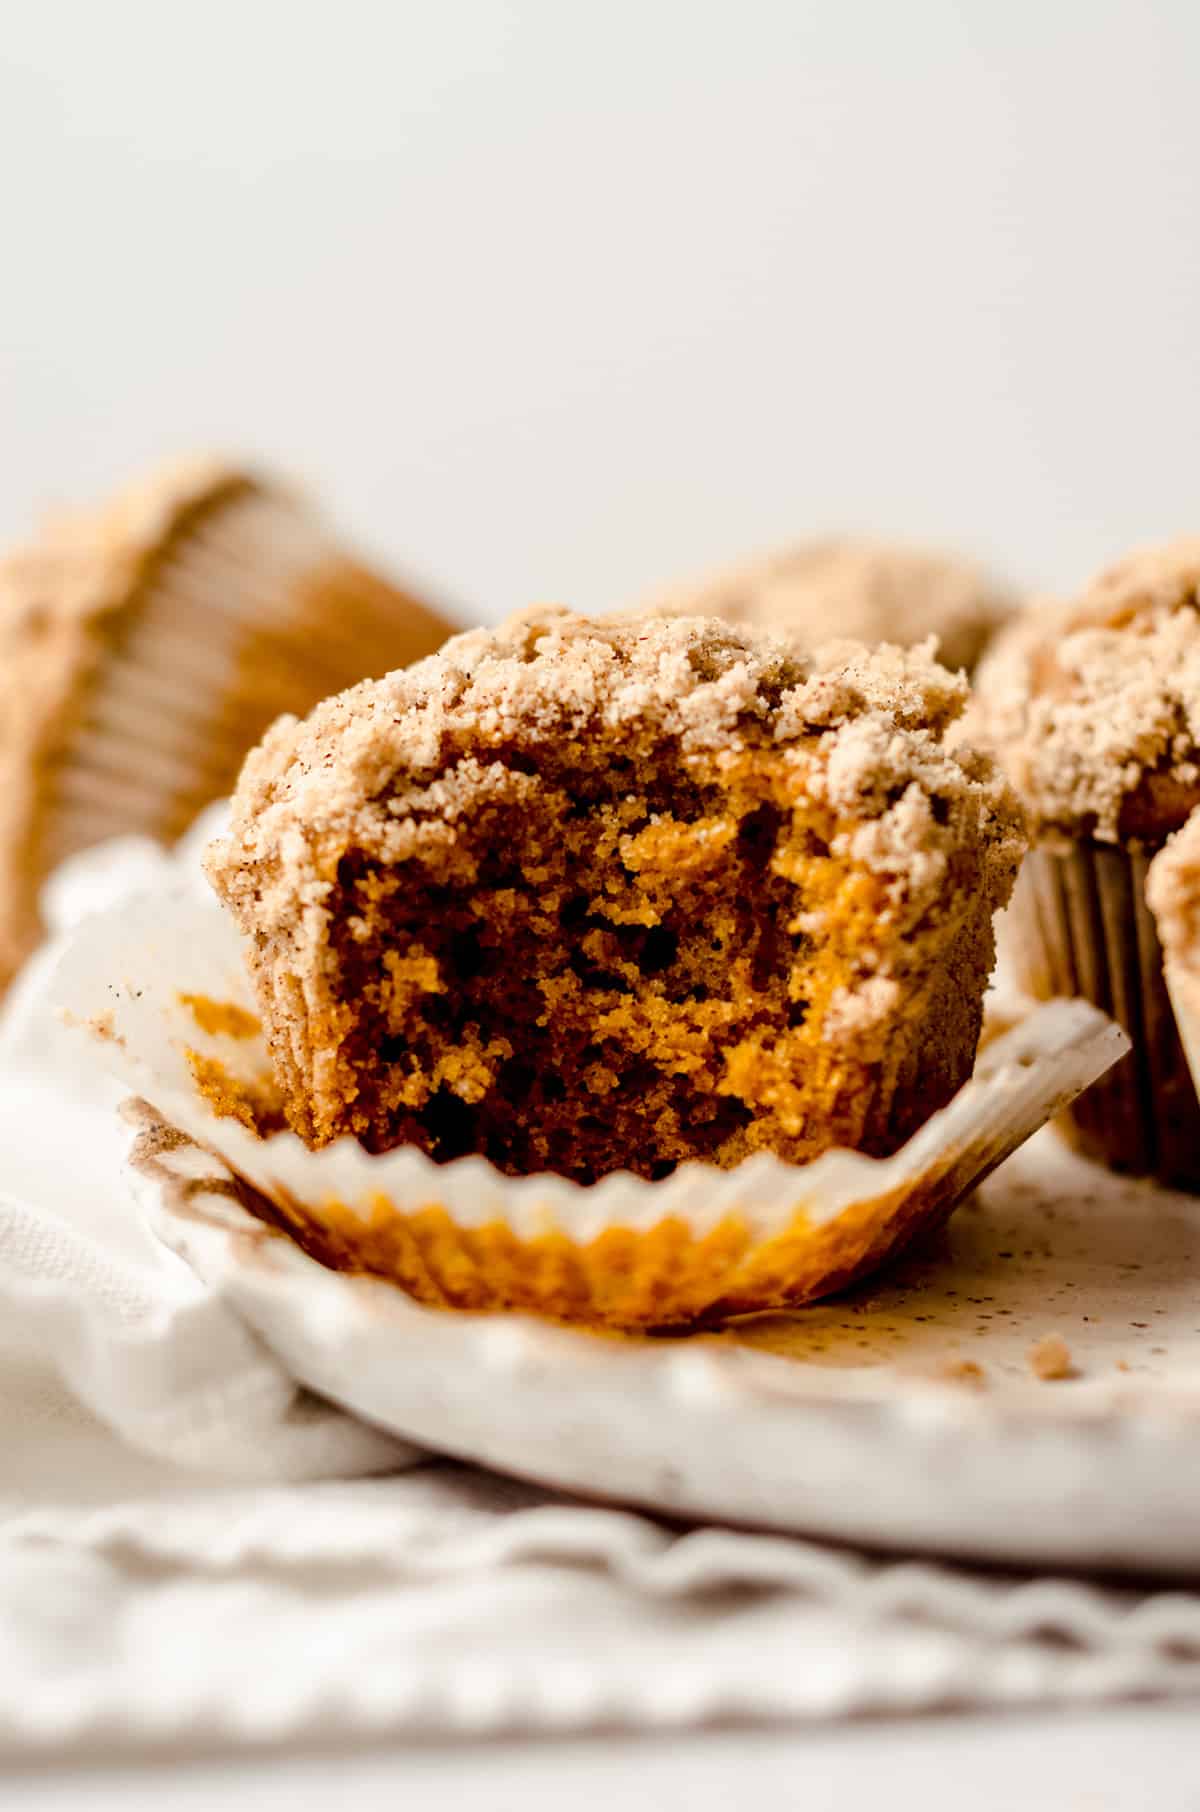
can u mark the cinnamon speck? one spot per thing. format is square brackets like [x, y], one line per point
[104, 1026]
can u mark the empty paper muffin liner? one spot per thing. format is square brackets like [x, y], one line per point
[160, 985]
[1081, 926]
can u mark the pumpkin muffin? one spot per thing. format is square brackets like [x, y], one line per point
[146, 645]
[865, 591]
[582, 896]
[1094, 708]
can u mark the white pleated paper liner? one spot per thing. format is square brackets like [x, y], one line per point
[251, 608]
[1080, 925]
[624, 1253]
[1183, 986]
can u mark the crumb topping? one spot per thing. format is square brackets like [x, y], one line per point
[868, 591]
[549, 675]
[1050, 1359]
[584, 895]
[1094, 706]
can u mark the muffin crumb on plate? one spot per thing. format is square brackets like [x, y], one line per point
[1050, 1359]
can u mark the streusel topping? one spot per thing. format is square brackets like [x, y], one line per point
[547, 675]
[1094, 706]
[865, 590]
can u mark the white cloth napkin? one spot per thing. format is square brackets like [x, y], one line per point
[193, 1549]
[88, 1295]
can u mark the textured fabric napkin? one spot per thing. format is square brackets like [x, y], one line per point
[193, 1549]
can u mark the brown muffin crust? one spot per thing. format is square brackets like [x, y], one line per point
[582, 896]
[1094, 706]
[863, 591]
[70, 607]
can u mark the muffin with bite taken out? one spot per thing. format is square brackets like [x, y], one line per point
[583, 896]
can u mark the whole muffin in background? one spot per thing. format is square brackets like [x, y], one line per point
[146, 645]
[583, 896]
[1094, 708]
[864, 591]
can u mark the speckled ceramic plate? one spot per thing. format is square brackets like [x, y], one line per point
[906, 1414]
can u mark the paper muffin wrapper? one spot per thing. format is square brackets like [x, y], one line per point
[625, 1253]
[248, 607]
[1081, 926]
[1183, 986]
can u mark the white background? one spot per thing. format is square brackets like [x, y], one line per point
[558, 300]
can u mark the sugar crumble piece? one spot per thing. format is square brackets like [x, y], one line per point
[1050, 1359]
